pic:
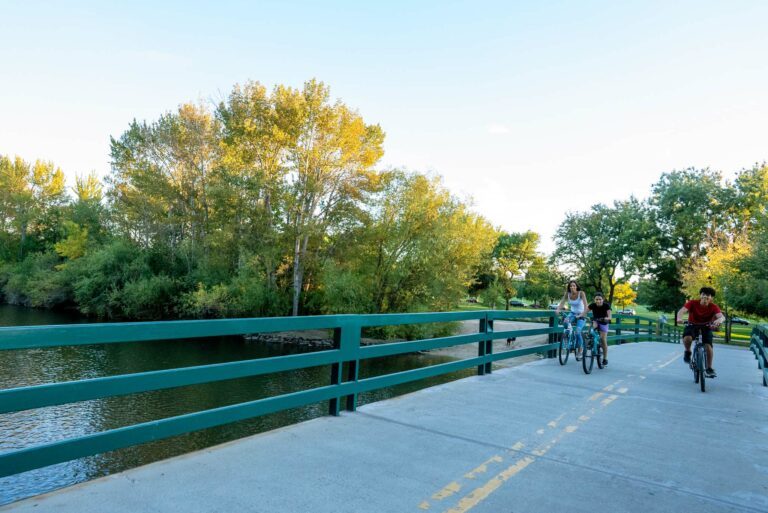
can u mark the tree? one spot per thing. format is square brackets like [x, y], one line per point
[30, 197]
[623, 294]
[543, 281]
[512, 256]
[605, 244]
[257, 134]
[331, 159]
[416, 250]
[160, 181]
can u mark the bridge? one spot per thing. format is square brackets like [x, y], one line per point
[636, 436]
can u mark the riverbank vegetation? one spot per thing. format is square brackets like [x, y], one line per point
[273, 203]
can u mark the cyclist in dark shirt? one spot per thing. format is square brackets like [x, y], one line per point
[701, 312]
[601, 317]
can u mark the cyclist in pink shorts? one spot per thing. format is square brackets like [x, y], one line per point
[601, 317]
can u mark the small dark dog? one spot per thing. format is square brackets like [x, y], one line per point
[510, 340]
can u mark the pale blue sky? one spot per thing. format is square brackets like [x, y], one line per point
[530, 108]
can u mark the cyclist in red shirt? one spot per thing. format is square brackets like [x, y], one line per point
[701, 311]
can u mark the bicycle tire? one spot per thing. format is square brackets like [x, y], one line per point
[588, 354]
[563, 349]
[702, 367]
[599, 353]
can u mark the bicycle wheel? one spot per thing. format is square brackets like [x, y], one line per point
[599, 352]
[563, 349]
[588, 354]
[702, 367]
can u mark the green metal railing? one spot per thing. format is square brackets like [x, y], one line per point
[758, 343]
[344, 360]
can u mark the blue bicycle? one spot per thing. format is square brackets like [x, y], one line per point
[592, 349]
[569, 341]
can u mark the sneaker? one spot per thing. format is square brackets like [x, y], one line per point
[711, 373]
[687, 357]
[605, 362]
[578, 355]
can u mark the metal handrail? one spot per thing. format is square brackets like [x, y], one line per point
[344, 359]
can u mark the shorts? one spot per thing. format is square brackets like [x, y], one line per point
[693, 332]
[603, 327]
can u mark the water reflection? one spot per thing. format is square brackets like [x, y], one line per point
[48, 365]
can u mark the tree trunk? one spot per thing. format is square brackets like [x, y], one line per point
[296, 275]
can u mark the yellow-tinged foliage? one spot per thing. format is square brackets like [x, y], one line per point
[717, 268]
[623, 295]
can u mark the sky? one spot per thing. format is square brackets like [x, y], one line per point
[528, 109]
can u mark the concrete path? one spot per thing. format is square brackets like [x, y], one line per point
[635, 437]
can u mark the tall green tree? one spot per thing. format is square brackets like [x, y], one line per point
[160, 181]
[606, 244]
[513, 255]
[331, 159]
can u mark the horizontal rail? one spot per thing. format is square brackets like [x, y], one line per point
[44, 455]
[38, 396]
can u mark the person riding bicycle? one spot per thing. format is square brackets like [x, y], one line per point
[601, 317]
[577, 301]
[702, 314]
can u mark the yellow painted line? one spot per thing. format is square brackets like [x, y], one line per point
[518, 446]
[623, 390]
[479, 494]
[424, 505]
[642, 377]
[571, 429]
[608, 388]
[552, 424]
[447, 491]
[608, 400]
[539, 431]
[583, 418]
[483, 468]
[596, 396]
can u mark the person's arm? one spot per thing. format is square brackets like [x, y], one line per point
[718, 320]
[680, 313]
[584, 302]
[608, 315]
[561, 304]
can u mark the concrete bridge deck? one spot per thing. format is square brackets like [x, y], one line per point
[637, 436]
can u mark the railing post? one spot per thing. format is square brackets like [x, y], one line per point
[347, 339]
[485, 346]
[637, 327]
[619, 320]
[551, 337]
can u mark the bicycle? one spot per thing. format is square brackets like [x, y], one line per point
[592, 349]
[569, 340]
[699, 362]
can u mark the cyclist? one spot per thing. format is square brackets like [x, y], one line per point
[601, 317]
[702, 314]
[577, 301]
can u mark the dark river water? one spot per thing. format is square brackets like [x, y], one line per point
[50, 365]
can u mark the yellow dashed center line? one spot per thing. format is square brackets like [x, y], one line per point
[480, 493]
[447, 491]
[483, 468]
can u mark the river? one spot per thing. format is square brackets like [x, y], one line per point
[34, 427]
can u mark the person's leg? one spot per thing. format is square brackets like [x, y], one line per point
[688, 335]
[580, 326]
[707, 337]
[604, 343]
